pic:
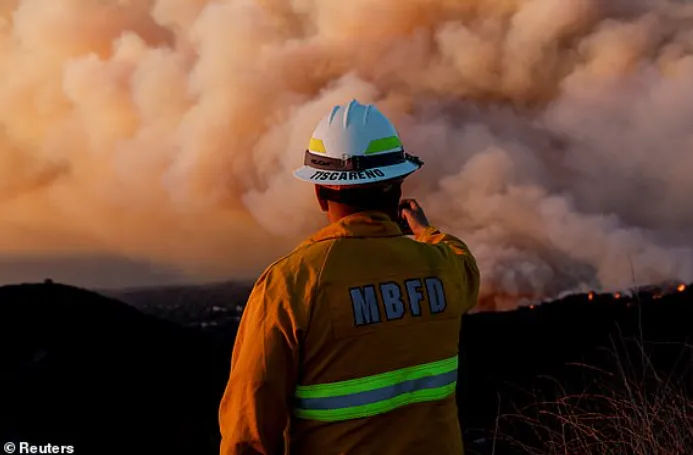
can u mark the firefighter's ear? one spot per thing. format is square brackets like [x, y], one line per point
[319, 193]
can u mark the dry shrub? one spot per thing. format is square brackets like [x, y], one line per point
[629, 408]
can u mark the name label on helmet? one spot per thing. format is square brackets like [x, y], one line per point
[350, 176]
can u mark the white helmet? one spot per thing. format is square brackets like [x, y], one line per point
[355, 145]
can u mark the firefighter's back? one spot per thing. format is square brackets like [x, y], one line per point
[379, 358]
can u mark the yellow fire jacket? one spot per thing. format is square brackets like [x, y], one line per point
[349, 345]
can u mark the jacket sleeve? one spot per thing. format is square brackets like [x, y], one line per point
[467, 262]
[254, 411]
[470, 270]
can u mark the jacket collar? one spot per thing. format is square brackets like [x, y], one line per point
[357, 225]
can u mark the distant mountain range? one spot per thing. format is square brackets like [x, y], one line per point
[183, 302]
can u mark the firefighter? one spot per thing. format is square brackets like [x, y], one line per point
[349, 344]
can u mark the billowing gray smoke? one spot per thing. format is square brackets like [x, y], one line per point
[557, 134]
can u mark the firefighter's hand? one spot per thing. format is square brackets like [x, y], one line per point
[414, 214]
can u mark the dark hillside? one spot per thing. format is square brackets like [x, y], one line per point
[146, 377]
[85, 370]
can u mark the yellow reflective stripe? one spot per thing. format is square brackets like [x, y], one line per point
[377, 381]
[316, 145]
[367, 410]
[384, 144]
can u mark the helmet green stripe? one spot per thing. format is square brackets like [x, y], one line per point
[383, 145]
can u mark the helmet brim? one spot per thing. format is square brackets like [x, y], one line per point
[350, 178]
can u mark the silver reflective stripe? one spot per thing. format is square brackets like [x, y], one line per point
[377, 395]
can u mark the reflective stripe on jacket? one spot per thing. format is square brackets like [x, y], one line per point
[365, 397]
[349, 344]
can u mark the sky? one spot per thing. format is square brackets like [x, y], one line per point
[146, 142]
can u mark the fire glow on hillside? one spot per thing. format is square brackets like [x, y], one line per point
[491, 303]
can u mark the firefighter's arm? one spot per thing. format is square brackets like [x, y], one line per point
[254, 411]
[433, 235]
[424, 232]
[468, 263]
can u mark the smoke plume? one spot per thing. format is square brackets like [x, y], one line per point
[556, 133]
